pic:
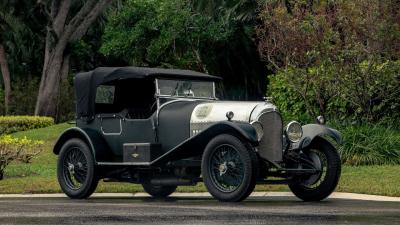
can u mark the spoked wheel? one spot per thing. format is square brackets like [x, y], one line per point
[76, 169]
[229, 168]
[226, 168]
[326, 161]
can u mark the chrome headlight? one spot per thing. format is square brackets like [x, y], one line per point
[259, 129]
[294, 131]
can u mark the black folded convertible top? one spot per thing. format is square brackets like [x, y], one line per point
[86, 83]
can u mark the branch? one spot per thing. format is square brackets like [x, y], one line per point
[54, 9]
[61, 16]
[93, 15]
[79, 24]
[80, 16]
[77, 20]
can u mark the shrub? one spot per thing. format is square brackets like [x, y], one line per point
[11, 124]
[14, 149]
[23, 96]
[370, 145]
[340, 57]
[365, 92]
[289, 102]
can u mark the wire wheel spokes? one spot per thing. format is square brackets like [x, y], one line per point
[226, 168]
[75, 168]
[320, 162]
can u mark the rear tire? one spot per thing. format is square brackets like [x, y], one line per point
[158, 191]
[320, 186]
[229, 168]
[76, 170]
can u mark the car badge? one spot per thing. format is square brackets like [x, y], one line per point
[203, 111]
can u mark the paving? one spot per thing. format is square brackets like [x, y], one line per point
[187, 208]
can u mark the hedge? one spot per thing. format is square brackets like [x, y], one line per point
[11, 124]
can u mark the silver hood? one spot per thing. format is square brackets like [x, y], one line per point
[216, 111]
[205, 114]
[270, 144]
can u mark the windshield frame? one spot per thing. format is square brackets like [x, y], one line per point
[159, 95]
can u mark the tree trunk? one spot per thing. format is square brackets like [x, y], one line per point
[62, 31]
[6, 78]
[46, 103]
[65, 68]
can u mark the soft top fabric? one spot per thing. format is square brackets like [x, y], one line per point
[86, 83]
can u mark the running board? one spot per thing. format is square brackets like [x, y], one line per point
[298, 171]
[123, 163]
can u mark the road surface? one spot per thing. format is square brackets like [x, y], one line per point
[202, 210]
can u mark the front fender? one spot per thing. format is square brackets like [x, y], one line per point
[310, 131]
[195, 145]
[244, 130]
[92, 138]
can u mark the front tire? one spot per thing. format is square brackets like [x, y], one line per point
[319, 186]
[229, 168]
[76, 169]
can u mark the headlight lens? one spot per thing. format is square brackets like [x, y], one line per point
[294, 131]
[259, 129]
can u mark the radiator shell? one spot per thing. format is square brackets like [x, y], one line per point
[270, 146]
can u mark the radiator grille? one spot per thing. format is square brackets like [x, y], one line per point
[196, 128]
[270, 147]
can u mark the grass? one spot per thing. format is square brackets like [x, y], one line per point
[40, 175]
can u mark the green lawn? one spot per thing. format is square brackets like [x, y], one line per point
[40, 175]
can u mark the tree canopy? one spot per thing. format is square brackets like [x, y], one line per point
[337, 58]
[182, 34]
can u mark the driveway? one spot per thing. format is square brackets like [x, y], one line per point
[200, 210]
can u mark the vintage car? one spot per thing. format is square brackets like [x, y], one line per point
[163, 128]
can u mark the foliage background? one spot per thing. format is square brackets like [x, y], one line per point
[339, 59]
[335, 58]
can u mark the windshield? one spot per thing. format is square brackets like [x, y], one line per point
[184, 88]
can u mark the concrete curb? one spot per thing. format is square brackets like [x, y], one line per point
[335, 195]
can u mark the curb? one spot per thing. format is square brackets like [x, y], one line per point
[335, 195]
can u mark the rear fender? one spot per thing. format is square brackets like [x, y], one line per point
[93, 139]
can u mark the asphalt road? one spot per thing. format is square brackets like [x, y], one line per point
[255, 210]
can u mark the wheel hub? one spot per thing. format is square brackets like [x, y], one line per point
[71, 168]
[222, 169]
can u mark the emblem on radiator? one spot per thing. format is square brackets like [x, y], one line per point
[135, 155]
[203, 111]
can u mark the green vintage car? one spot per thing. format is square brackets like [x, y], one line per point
[163, 128]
